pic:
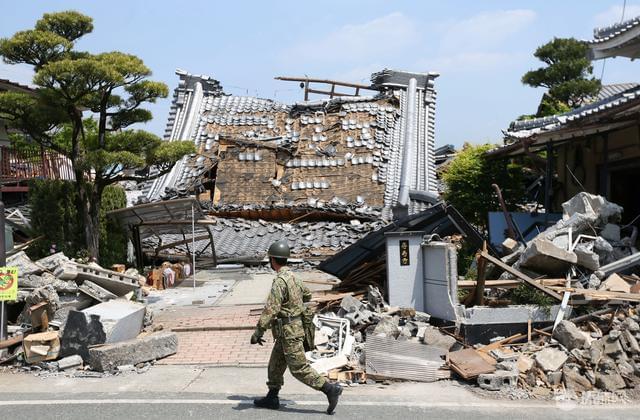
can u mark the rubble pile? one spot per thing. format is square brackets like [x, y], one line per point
[587, 241]
[361, 338]
[67, 311]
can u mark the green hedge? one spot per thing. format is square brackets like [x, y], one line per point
[55, 215]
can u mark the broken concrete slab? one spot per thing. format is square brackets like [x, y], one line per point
[499, 380]
[574, 380]
[387, 327]
[543, 256]
[96, 292]
[550, 359]
[524, 363]
[509, 245]
[324, 365]
[434, 337]
[595, 207]
[569, 335]
[587, 259]
[66, 271]
[150, 347]
[51, 262]
[69, 362]
[117, 283]
[24, 264]
[41, 294]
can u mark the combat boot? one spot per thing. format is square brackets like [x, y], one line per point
[332, 391]
[271, 401]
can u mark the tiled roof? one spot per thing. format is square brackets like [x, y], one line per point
[609, 32]
[618, 97]
[240, 239]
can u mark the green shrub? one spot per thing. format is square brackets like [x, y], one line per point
[55, 216]
[468, 182]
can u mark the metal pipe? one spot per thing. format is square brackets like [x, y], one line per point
[409, 136]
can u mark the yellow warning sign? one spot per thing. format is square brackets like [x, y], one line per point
[8, 283]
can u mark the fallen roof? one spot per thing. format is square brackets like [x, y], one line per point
[441, 219]
[200, 103]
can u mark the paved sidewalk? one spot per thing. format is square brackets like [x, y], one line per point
[217, 336]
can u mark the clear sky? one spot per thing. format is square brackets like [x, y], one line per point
[480, 48]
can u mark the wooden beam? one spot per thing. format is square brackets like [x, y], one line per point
[531, 282]
[507, 284]
[182, 242]
[178, 222]
[326, 81]
[482, 271]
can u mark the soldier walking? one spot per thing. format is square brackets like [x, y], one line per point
[282, 313]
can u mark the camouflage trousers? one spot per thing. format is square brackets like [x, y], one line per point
[289, 352]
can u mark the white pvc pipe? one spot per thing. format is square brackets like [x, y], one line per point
[409, 138]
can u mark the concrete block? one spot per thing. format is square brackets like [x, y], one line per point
[66, 271]
[615, 283]
[117, 283]
[550, 359]
[151, 347]
[70, 362]
[499, 380]
[121, 319]
[569, 335]
[543, 256]
[109, 322]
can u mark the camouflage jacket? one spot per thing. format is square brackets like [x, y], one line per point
[286, 299]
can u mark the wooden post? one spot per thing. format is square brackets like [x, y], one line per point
[482, 271]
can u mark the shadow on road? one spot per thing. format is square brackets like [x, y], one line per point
[283, 405]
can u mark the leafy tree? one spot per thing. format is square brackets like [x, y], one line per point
[110, 88]
[468, 180]
[566, 75]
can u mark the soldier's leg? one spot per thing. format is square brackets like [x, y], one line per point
[299, 367]
[277, 366]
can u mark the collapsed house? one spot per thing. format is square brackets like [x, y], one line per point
[318, 173]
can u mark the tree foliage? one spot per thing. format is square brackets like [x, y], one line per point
[566, 75]
[55, 216]
[468, 180]
[84, 107]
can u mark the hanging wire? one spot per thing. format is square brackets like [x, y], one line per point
[604, 62]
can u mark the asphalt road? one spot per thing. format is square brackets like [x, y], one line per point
[123, 406]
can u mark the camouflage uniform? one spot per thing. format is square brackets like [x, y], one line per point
[286, 299]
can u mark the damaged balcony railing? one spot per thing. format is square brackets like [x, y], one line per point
[20, 165]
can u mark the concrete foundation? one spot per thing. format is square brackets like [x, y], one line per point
[151, 347]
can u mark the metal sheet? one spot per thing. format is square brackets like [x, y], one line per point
[403, 360]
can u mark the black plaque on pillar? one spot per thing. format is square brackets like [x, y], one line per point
[404, 252]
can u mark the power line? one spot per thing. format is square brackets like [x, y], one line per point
[604, 62]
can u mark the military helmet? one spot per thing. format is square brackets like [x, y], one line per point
[279, 249]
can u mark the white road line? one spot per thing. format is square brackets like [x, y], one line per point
[408, 404]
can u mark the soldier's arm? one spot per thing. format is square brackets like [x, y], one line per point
[306, 293]
[272, 307]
